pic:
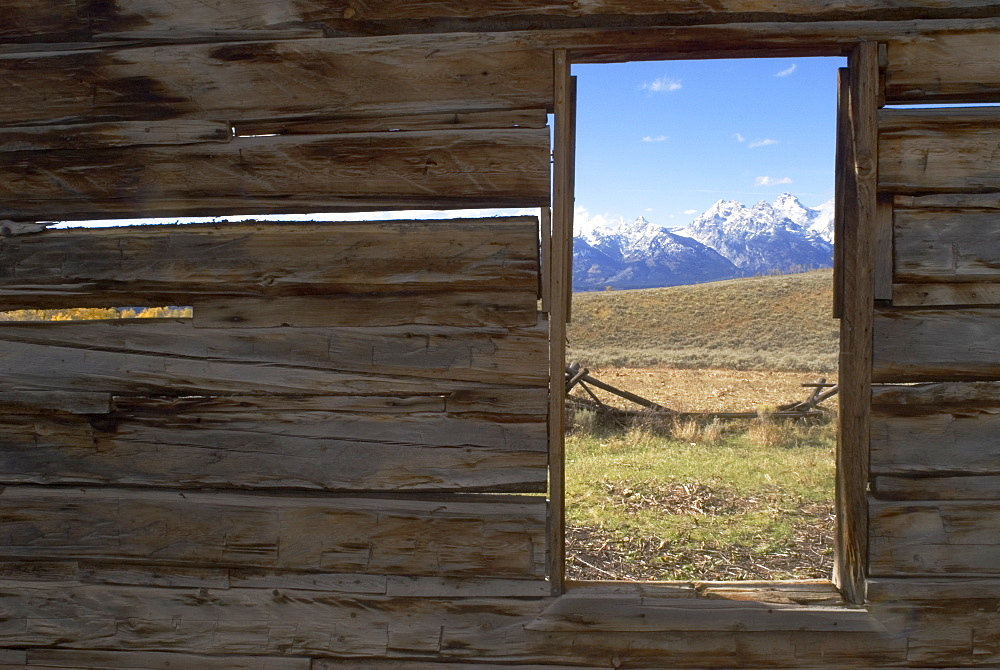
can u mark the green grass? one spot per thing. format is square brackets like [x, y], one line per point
[762, 323]
[703, 502]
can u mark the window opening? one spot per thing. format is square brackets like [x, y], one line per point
[702, 282]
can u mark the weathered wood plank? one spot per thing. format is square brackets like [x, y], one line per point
[939, 150]
[284, 174]
[960, 67]
[427, 305]
[241, 621]
[123, 573]
[362, 629]
[277, 79]
[64, 20]
[860, 235]
[186, 264]
[933, 538]
[936, 345]
[932, 295]
[153, 660]
[170, 357]
[272, 443]
[503, 536]
[947, 246]
[935, 429]
[63, 401]
[580, 613]
[105, 135]
[937, 590]
[520, 118]
[965, 487]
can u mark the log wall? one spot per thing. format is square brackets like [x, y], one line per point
[329, 466]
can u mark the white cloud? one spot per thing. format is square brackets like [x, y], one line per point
[762, 143]
[662, 85]
[771, 181]
[584, 222]
[657, 138]
[788, 70]
[739, 137]
[690, 211]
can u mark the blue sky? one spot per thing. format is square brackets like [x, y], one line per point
[667, 139]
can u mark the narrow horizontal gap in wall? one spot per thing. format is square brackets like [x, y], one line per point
[951, 105]
[382, 215]
[96, 314]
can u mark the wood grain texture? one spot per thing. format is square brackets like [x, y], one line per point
[934, 538]
[860, 235]
[573, 612]
[407, 305]
[62, 20]
[964, 487]
[958, 67]
[947, 246]
[283, 174]
[380, 443]
[170, 357]
[936, 345]
[12, 402]
[283, 622]
[105, 135]
[932, 295]
[419, 266]
[442, 537]
[939, 150]
[936, 429]
[370, 629]
[519, 118]
[274, 79]
[558, 268]
[82, 659]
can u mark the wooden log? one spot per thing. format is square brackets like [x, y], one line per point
[939, 150]
[406, 306]
[241, 622]
[932, 589]
[87, 659]
[284, 174]
[935, 429]
[936, 345]
[937, 487]
[62, 401]
[63, 20]
[956, 538]
[932, 295]
[170, 357]
[576, 613]
[860, 234]
[105, 135]
[947, 246]
[274, 79]
[520, 118]
[416, 265]
[960, 67]
[278, 443]
[503, 536]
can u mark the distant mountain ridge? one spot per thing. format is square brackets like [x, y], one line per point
[729, 240]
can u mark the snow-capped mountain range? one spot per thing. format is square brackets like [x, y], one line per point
[729, 240]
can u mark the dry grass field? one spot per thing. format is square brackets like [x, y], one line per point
[662, 500]
[760, 323]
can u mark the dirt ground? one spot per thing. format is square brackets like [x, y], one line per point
[596, 554]
[707, 390]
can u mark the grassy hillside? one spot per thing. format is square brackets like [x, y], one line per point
[762, 323]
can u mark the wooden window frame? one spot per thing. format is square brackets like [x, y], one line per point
[858, 230]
